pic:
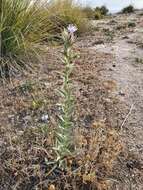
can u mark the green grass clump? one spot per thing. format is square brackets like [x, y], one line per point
[22, 26]
[128, 9]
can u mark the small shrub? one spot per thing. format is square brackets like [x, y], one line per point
[128, 9]
[100, 12]
[99, 149]
[109, 33]
[98, 15]
[121, 27]
[131, 24]
[139, 60]
[104, 10]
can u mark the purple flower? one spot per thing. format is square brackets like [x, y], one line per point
[72, 28]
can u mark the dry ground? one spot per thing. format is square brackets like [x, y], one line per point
[108, 86]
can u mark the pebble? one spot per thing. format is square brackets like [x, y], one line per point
[121, 93]
[27, 118]
[45, 118]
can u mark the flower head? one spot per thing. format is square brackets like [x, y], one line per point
[72, 28]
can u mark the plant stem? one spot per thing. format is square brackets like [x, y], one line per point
[64, 144]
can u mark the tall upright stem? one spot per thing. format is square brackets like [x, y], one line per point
[64, 143]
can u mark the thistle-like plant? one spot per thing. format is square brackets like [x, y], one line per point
[64, 141]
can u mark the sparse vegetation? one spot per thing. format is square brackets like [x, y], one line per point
[62, 126]
[97, 151]
[63, 155]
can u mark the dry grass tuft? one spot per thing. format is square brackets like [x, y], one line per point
[99, 148]
[64, 12]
